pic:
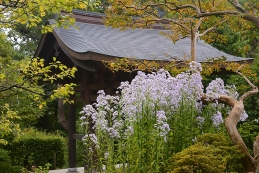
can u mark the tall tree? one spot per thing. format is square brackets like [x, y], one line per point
[184, 18]
[178, 16]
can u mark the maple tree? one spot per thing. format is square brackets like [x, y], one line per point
[181, 17]
[184, 18]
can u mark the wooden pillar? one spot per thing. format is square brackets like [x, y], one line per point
[86, 93]
[71, 140]
[86, 100]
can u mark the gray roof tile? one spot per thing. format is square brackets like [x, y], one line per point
[146, 44]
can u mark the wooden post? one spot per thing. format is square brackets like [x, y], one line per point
[86, 93]
[86, 100]
[71, 141]
[55, 160]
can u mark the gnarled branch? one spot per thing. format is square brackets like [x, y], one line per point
[250, 163]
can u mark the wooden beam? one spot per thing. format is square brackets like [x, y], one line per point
[116, 85]
[96, 86]
[78, 136]
[93, 98]
[78, 99]
[79, 88]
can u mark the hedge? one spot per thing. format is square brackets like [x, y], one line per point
[4, 156]
[37, 148]
[7, 168]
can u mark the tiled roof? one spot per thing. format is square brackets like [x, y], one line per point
[91, 40]
[94, 38]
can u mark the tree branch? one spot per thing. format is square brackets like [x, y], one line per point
[177, 23]
[221, 99]
[198, 24]
[2, 89]
[248, 93]
[205, 32]
[210, 29]
[238, 6]
[241, 9]
[252, 18]
[218, 13]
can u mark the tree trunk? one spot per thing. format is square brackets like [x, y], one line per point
[256, 153]
[250, 163]
[193, 46]
[230, 124]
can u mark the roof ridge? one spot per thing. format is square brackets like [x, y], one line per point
[88, 13]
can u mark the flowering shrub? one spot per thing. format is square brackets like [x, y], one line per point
[152, 117]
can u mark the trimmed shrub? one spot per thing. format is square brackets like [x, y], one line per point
[37, 148]
[213, 153]
[7, 168]
[4, 157]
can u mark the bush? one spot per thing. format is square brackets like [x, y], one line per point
[213, 153]
[7, 168]
[37, 148]
[4, 157]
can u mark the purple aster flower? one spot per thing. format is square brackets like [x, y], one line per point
[244, 116]
[216, 88]
[217, 119]
[195, 66]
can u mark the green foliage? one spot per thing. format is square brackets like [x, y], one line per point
[9, 127]
[243, 43]
[249, 130]
[32, 12]
[6, 48]
[213, 153]
[184, 126]
[80, 148]
[43, 169]
[4, 156]
[23, 94]
[7, 168]
[37, 148]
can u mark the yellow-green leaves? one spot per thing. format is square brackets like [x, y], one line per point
[26, 87]
[63, 92]
[37, 71]
[174, 67]
[32, 12]
[8, 123]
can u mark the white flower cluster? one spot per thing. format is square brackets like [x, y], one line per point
[161, 94]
